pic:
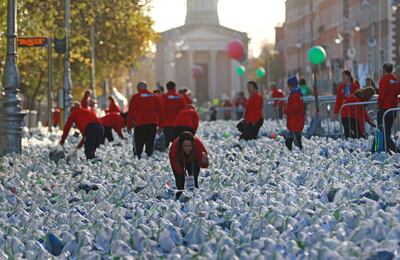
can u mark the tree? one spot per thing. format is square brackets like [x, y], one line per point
[123, 33]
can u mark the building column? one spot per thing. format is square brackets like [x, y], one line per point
[192, 81]
[213, 80]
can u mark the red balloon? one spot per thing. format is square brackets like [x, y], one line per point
[235, 50]
[197, 72]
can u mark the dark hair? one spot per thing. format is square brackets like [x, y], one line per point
[124, 115]
[365, 94]
[348, 73]
[184, 136]
[302, 82]
[371, 80]
[253, 83]
[387, 67]
[171, 85]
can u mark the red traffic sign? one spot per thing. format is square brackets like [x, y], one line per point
[32, 42]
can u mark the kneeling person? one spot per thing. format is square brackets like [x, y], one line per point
[187, 154]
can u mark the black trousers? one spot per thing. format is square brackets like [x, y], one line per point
[293, 138]
[107, 134]
[169, 133]
[351, 128]
[389, 119]
[94, 133]
[191, 169]
[180, 129]
[250, 131]
[145, 135]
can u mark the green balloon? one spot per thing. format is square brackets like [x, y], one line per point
[240, 70]
[260, 72]
[316, 55]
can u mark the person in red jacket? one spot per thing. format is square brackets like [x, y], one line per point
[346, 88]
[354, 117]
[389, 90]
[144, 111]
[115, 121]
[56, 116]
[90, 127]
[113, 107]
[253, 118]
[295, 114]
[187, 155]
[184, 92]
[279, 105]
[86, 99]
[171, 105]
[187, 120]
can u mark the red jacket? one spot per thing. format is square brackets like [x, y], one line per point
[295, 113]
[195, 156]
[171, 104]
[389, 89]
[358, 112]
[144, 109]
[278, 93]
[81, 117]
[188, 117]
[254, 108]
[187, 99]
[85, 102]
[114, 108]
[56, 117]
[115, 121]
[340, 95]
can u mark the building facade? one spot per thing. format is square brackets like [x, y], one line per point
[201, 41]
[359, 35]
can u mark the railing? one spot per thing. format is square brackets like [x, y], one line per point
[361, 104]
[384, 125]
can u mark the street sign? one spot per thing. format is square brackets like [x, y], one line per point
[32, 42]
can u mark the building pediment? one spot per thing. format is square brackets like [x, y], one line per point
[203, 32]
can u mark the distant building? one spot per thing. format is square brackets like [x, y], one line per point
[201, 41]
[359, 35]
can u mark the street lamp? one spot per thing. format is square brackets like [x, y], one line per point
[11, 115]
[67, 68]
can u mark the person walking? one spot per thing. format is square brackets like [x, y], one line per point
[113, 106]
[354, 117]
[389, 90]
[85, 101]
[279, 105]
[171, 105]
[346, 88]
[187, 120]
[253, 119]
[144, 113]
[90, 127]
[187, 155]
[295, 114]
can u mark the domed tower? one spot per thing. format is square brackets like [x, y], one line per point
[202, 12]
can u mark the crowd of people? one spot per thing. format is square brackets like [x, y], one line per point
[173, 114]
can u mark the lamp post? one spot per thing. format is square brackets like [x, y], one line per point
[67, 69]
[11, 115]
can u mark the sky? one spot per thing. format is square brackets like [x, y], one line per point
[256, 17]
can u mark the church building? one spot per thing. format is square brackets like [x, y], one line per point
[200, 42]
